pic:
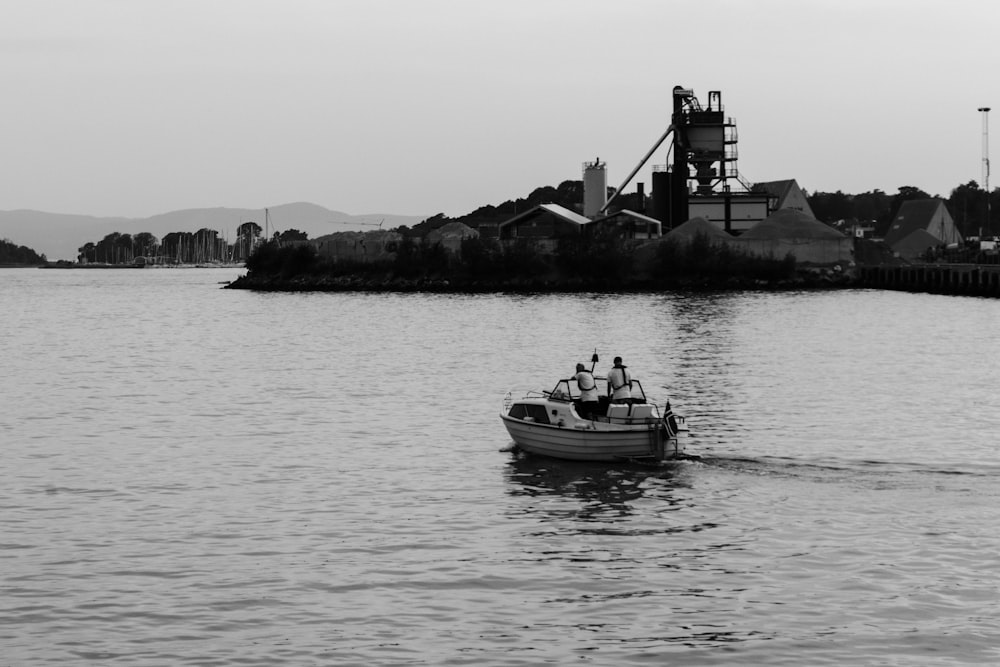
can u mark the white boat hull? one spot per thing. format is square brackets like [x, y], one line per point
[590, 444]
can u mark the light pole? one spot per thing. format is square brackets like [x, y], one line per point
[986, 164]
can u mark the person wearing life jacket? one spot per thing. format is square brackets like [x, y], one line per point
[620, 383]
[588, 392]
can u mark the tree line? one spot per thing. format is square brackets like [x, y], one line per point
[967, 204]
[18, 255]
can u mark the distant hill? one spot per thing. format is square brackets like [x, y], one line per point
[59, 235]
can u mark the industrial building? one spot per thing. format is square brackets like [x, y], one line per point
[700, 181]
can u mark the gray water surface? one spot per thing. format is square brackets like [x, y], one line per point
[198, 476]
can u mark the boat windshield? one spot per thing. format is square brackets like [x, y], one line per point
[568, 390]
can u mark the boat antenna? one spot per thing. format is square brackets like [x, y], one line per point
[593, 361]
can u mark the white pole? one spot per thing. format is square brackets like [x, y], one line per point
[986, 162]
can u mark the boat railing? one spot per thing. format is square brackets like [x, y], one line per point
[568, 389]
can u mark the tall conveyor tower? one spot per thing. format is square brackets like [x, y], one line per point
[702, 179]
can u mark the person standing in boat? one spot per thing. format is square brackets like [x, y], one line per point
[588, 392]
[620, 383]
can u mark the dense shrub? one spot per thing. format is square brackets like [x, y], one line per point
[602, 261]
[418, 259]
[521, 260]
[285, 261]
[602, 257]
[482, 259]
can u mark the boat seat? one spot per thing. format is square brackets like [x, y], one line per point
[618, 410]
[642, 411]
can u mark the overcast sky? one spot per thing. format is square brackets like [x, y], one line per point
[133, 108]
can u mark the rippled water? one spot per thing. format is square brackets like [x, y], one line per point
[197, 476]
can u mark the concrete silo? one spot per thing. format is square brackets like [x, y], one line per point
[595, 188]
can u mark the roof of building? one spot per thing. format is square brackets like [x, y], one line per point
[786, 223]
[782, 191]
[915, 243]
[625, 213]
[779, 189]
[554, 209]
[452, 230]
[689, 230]
[913, 215]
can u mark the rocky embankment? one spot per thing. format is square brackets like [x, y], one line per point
[805, 278]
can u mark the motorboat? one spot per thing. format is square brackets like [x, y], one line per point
[551, 423]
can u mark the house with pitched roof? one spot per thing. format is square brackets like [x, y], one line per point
[543, 226]
[785, 194]
[929, 215]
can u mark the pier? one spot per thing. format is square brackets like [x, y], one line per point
[960, 279]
